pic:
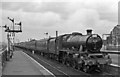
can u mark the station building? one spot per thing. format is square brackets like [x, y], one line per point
[113, 41]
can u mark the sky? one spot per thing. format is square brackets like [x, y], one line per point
[65, 16]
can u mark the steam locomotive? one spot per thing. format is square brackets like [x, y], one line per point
[75, 50]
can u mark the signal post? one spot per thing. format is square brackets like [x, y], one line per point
[11, 37]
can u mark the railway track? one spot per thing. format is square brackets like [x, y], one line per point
[58, 69]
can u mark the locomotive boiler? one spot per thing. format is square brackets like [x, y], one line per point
[90, 42]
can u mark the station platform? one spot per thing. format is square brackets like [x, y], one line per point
[22, 64]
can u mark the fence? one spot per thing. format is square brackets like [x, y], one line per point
[3, 59]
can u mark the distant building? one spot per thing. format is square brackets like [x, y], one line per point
[113, 41]
[114, 38]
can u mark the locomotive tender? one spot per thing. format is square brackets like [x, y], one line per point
[76, 50]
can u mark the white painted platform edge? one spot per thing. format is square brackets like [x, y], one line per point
[114, 65]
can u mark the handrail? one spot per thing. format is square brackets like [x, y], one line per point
[110, 52]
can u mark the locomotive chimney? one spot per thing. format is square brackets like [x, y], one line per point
[89, 31]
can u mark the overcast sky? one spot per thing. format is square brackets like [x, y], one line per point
[65, 16]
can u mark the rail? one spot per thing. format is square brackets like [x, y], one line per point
[110, 51]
